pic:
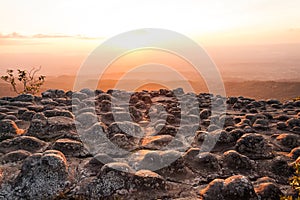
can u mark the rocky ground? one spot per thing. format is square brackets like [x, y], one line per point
[151, 145]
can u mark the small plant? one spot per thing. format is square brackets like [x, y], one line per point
[27, 80]
[294, 181]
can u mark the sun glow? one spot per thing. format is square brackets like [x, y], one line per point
[59, 34]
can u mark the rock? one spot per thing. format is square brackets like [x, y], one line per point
[87, 119]
[296, 103]
[37, 128]
[52, 128]
[201, 161]
[243, 123]
[254, 146]
[273, 101]
[42, 176]
[190, 154]
[212, 128]
[27, 143]
[146, 180]
[112, 177]
[288, 140]
[97, 162]
[2, 115]
[141, 105]
[39, 116]
[105, 106]
[268, 191]
[146, 145]
[14, 156]
[48, 94]
[233, 188]
[59, 123]
[20, 104]
[69, 147]
[36, 108]
[136, 114]
[232, 100]
[280, 166]
[116, 177]
[293, 122]
[228, 120]
[207, 161]
[265, 179]
[151, 160]
[239, 187]
[178, 91]
[124, 142]
[27, 115]
[56, 112]
[261, 124]
[276, 106]
[236, 161]
[120, 116]
[24, 98]
[213, 191]
[204, 114]
[9, 129]
[296, 129]
[79, 95]
[87, 91]
[282, 117]
[11, 117]
[146, 99]
[281, 126]
[156, 142]
[49, 103]
[295, 153]
[217, 137]
[103, 96]
[237, 133]
[167, 130]
[223, 137]
[128, 128]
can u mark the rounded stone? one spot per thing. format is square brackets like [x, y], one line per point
[9, 129]
[268, 191]
[42, 176]
[254, 146]
[280, 166]
[130, 129]
[288, 140]
[234, 160]
[295, 153]
[15, 156]
[69, 147]
[27, 143]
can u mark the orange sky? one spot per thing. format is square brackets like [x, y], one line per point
[60, 34]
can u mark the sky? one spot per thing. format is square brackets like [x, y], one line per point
[59, 34]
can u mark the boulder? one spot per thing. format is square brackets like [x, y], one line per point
[9, 129]
[42, 176]
[255, 146]
[233, 188]
[27, 143]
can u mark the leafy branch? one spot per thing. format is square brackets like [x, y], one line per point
[28, 80]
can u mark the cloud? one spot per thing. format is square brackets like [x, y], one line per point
[16, 35]
[12, 35]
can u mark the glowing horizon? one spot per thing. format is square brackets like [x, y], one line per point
[59, 34]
